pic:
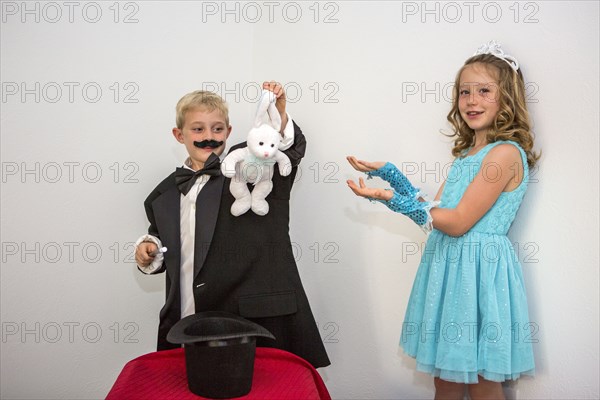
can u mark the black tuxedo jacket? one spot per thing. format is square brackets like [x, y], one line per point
[242, 265]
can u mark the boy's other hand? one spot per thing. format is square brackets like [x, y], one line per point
[143, 256]
[364, 166]
[280, 103]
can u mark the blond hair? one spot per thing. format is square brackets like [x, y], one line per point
[512, 120]
[200, 99]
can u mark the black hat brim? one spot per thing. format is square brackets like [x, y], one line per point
[214, 325]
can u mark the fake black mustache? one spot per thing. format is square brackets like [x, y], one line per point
[213, 144]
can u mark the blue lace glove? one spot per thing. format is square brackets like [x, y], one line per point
[414, 209]
[390, 173]
[406, 196]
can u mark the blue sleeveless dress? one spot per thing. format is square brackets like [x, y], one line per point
[467, 312]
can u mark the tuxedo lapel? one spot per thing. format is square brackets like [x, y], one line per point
[208, 204]
[167, 212]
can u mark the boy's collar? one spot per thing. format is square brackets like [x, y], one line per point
[188, 162]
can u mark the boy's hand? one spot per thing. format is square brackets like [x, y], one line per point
[280, 103]
[364, 166]
[143, 256]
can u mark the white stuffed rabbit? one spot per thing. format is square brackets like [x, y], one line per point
[254, 163]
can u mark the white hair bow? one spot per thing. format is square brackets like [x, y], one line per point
[493, 48]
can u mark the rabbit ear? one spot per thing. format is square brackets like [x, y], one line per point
[266, 107]
[274, 114]
[263, 106]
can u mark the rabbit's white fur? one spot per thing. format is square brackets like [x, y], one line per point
[254, 163]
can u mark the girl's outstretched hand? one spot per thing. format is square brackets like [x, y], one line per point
[370, 193]
[364, 166]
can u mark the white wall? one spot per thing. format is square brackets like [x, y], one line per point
[372, 81]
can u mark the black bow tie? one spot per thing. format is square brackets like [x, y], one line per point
[185, 178]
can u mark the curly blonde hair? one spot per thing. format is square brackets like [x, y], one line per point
[512, 120]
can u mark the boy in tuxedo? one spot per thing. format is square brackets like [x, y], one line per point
[218, 262]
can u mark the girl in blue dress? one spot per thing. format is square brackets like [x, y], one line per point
[466, 322]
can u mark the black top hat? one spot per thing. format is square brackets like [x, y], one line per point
[219, 352]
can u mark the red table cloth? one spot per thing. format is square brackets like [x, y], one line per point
[161, 375]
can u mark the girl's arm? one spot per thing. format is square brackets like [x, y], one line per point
[497, 174]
